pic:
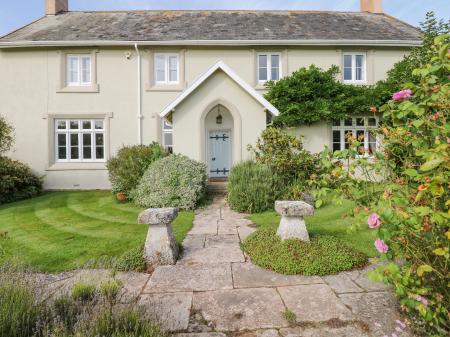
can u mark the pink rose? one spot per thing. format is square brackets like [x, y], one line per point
[381, 246]
[402, 95]
[421, 299]
[374, 221]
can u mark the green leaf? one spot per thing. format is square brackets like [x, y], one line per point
[411, 172]
[431, 164]
[418, 123]
[423, 269]
[440, 251]
[319, 203]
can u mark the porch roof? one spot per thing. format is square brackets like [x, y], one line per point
[227, 70]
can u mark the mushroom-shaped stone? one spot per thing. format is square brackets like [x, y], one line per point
[161, 248]
[292, 224]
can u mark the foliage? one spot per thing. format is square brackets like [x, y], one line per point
[83, 292]
[312, 95]
[77, 229]
[132, 260]
[284, 154]
[253, 187]
[17, 181]
[290, 316]
[414, 222]
[23, 314]
[323, 255]
[127, 167]
[174, 181]
[6, 136]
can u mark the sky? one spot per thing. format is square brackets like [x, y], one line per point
[16, 13]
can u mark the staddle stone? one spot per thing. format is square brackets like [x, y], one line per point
[292, 225]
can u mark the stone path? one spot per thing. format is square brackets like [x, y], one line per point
[214, 290]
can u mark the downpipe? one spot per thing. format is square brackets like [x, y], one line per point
[139, 94]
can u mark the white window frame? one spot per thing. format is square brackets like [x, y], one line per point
[364, 68]
[78, 83]
[167, 128]
[80, 132]
[269, 66]
[354, 129]
[166, 68]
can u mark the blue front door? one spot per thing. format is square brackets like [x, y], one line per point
[219, 148]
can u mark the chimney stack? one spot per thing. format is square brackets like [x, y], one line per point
[54, 7]
[372, 6]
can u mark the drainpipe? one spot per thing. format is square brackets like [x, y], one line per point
[139, 95]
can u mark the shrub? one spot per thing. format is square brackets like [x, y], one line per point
[132, 260]
[83, 292]
[17, 181]
[127, 167]
[323, 255]
[6, 136]
[285, 155]
[174, 181]
[413, 222]
[253, 187]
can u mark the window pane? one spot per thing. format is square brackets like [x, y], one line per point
[262, 71]
[348, 122]
[359, 67]
[86, 125]
[99, 139]
[87, 149]
[173, 68]
[74, 153]
[337, 123]
[372, 121]
[372, 143]
[348, 135]
[61, 144]
[61, 125]
[168, 139]
[347, 61]
[359, 121]
[167, 126]
[86, 69]
[360, 136]
[73, 125]
[275, 67]
[160, 68]
[336, 136]
[62, 139]
[347, 74]
[99, 125]
[336, 146]
[72, 70]
[348, 67]
[99, 153]
[62, 152]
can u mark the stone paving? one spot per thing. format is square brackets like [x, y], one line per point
[215, 291]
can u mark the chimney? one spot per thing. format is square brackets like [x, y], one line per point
[372, 6]
[54, 7]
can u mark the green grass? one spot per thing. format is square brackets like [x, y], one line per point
[331, 220]
[63, 230]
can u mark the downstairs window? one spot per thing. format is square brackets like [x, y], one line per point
[80, 140]
[358, 127]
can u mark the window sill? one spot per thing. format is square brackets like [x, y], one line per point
[165, 87]
[355, 82]
[91, 89]
[261, 86]
[73, 166]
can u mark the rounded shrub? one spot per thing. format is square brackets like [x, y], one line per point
[253, 187]
[17, 181]
[174, 181]
[129, 164]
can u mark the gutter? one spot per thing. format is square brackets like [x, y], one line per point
[86, 43]
[139, 94]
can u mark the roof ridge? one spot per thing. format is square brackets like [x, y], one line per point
[221, 10]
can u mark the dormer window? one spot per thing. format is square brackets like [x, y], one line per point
[166, 69]
[79, 70]
[269, 67]
[354, 68]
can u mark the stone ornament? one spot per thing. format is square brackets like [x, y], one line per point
[292, 224]
[161, 248]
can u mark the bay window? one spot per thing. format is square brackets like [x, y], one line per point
[79, 140]
[360, 128]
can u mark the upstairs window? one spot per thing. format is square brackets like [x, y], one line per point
[167, 133]
[354, 68]
[166, 69]
[79, 70]
[358, 127]
[269, 67]
[79, 140]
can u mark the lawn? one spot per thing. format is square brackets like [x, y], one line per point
[333, 220]
[63, 230]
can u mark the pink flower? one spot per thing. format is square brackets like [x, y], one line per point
[381, 246]
[403, 325]
[402, 95]
[374, 221]
[421, 299]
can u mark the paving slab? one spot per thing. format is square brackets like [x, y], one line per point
[201, 334]
[342, 283]
[197, 277]
[192, 242]
[347, 331]
[247, 275]
[378, 309]
[212, 255]
[223, 230]
[363, 281]
[314, 303]
[133, 284]
[210, 228]
[245, 231]
[170, 310]
[240, 309]
[221, 240]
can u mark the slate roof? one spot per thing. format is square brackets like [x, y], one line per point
[177, 26]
